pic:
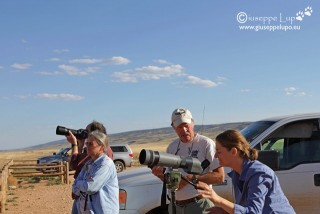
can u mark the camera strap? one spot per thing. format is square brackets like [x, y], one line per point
[164, 194]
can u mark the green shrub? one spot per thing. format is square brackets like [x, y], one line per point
[34, 180]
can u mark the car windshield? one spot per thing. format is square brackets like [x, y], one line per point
[62, 151]
[256, 128]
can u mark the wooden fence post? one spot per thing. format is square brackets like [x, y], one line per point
[4, 185]
[66, 172]
[3, 193]
[60, 169]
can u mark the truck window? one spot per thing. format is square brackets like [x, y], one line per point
[119, 148]
[255, 129]
[294, 150]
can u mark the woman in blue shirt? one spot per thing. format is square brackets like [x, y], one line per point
[256, 186]
[97, 183]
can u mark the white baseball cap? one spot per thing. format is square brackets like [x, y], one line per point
[181, 115]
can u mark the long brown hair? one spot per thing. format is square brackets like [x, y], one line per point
[234, 139]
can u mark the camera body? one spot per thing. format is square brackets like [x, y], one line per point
[79, 134]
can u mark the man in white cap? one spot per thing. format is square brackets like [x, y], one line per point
[191, 144]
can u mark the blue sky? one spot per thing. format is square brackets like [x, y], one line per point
[129, 63]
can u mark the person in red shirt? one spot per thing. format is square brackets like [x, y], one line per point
[79, 153]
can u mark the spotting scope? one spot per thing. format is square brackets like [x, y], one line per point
[153, 158]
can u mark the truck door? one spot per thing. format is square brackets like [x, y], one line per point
[298, 147]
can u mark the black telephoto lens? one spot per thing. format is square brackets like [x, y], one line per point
[62, 130]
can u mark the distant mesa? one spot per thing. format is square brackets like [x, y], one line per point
[148, 135]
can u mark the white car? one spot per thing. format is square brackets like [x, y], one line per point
[288, 144]
[122, 156]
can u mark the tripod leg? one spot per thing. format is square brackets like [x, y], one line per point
[173, 202]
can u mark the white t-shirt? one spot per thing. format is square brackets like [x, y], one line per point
[200, 147]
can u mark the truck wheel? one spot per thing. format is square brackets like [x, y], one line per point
[119, 166]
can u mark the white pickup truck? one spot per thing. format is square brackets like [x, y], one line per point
[288, 144]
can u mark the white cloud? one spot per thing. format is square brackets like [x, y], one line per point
[245, 90]
[1, 67]
[21, 66]
[23, 41]
[24, 96]
[91, 69]
[301, 94]
[155, 72]
[162, 61]
[117, 60]
[197, 81]
[74, 71]
[54, 59]
[149, 73]
[125, 77]
[71, 70]
[59, 51]
[85, 61]
[292, 91]
[62, 96]
[47, 73]
[220, 78]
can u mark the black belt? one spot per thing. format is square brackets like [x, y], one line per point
[187, 201]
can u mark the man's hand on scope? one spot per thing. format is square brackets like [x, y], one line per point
[158, 171]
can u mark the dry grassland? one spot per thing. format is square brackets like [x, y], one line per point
[26, 154]
[153, 139]
[136, 148]
[5, 157]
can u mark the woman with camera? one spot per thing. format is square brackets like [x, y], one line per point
[77, 138]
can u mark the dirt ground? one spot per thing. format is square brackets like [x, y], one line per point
[39, 198]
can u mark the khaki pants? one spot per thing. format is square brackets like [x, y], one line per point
[196, 207]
